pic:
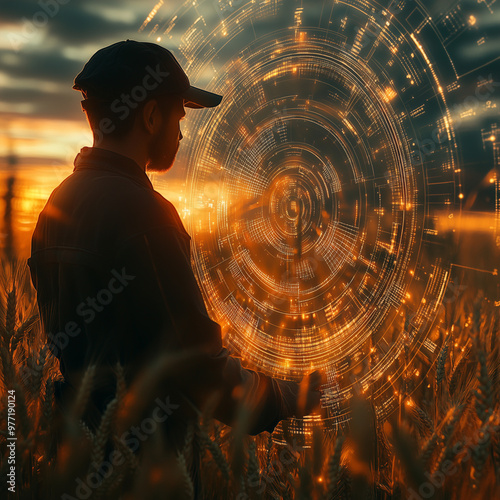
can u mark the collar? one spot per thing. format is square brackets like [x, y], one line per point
[103, 159]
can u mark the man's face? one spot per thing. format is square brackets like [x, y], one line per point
[166, 143]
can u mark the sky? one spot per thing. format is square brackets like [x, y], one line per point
[43, 46]
[45, 43]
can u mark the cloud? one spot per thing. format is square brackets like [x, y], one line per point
[78, 25]
[71, 23]
[39, 65]
[15, 11]
[489, 49]
[42, 104]
[45, 48]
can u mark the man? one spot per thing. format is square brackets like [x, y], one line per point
[111, 259]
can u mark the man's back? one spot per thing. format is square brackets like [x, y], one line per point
[96, 295]
[81, 238]
[111, 264]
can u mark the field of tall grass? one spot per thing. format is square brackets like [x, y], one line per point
[442, 444]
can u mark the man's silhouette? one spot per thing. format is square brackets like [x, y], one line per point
[110, 257]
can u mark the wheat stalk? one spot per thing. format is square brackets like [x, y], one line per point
[25, 328]
[450, 423]
[457, 372]
[84, 392]
[131, 459]
[186, 478]
[253, 470]
[422, 418]
[39, 368]
[89, 435]
[483, 394]
[345, 481]
[334, 466]
[215, 450]
[428, 448]
[118, 473]
[187, 450]
[121, 384]
[441, 363]
[48, 400]
[480, 455]
[10, 317]
[7, 372]
[449, 453]
[269, 448]
[103, 433]
[111, 483]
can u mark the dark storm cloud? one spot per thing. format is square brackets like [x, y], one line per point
[72, 22]
[56, 25]
[76, 25]
[43, 104]
[15, 11]
[39, 66]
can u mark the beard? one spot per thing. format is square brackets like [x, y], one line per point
[161, 158]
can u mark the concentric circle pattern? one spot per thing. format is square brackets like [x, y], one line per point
[310, 206]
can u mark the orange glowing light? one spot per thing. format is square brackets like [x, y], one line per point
[390, 94]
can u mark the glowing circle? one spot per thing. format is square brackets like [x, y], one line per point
[313, 190]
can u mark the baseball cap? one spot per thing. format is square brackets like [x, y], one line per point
[141, 69]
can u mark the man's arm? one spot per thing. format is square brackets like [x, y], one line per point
[160, 259]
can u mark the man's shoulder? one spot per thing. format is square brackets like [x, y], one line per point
[142, 209]
[116, 201]
[171, 215]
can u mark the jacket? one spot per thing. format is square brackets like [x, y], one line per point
[110, 261]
